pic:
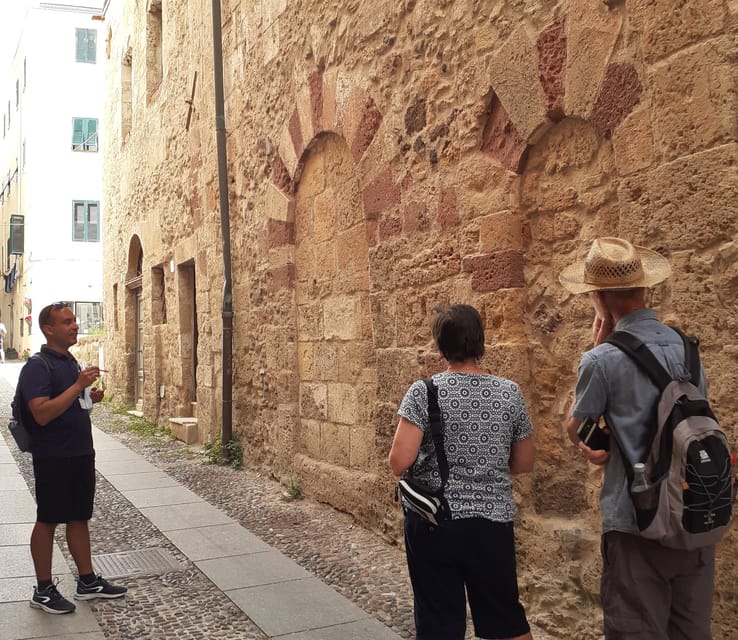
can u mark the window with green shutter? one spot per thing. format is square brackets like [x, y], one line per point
[85, 221]
[87, 45]
[84, 134]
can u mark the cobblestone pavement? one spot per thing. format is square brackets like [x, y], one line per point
[357, 563]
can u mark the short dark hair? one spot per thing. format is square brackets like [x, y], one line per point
[44, 317]
[458, 332]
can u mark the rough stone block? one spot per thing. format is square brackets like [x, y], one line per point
[310, 321]
[342, 403]
[341, 318]
[335, 443]
[370, 122]
[705, 73]
[362, 452]
[277, 204]
[313, 401]
[590, 43]
[499, 270]
[619, 92]
[306, 360]
[686, 204]
[310, 434]
[665, 27]
[515, 80]
[328, 111]
[279, 232]
[500, 231]
[390, 227]
[383, 315]
[448, 214]
[324, 215]
[633, 143]
[415, 217]
[551, 46]
[352, 254]
[304, 112]
[326, 361]
[380, 194]
[287, 152]
[501, 140]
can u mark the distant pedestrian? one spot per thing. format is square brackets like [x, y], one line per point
[57, 399]
[3, 333]
[487, 438]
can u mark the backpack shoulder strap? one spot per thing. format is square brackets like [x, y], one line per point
[436, 425]
[640, 354]
[40, 355]
[691, 355]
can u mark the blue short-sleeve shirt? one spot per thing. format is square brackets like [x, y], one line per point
[68, 435]
[483, 416]
[610, 384]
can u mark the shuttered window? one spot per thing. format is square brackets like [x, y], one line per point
[84, 134]
[87, 45]
[85, 221]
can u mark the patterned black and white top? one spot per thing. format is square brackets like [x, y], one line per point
[483, 415]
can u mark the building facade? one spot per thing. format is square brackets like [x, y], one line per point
[383, 159]
[52, 168]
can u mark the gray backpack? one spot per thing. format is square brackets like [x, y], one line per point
[687, 498]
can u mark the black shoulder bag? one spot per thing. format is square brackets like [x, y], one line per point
[429, 505]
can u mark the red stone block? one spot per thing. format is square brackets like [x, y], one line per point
[619, 93]
[315, 83]
[296, 133]
[501, 139]
[380, 194]
[493, 271]
[279, 233]
[448, 215]
[415, 217]
[281, 177]
[552, 66]
[282, 278]
[371, 118]
[389, 228]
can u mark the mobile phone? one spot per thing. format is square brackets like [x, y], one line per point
[590, 433]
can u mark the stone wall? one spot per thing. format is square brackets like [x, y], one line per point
[382, 160]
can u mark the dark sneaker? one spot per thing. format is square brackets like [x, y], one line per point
[50, 600]
[99, 588]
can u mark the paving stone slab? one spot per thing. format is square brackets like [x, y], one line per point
[16, 589]
[185, 516]
[148, 480]
[13, 482]
[120, 467]
[16, 562]
[299, 605]
[161, 496]
[362, 630]
[17, 507]
[251, 570]
[116, 455]
[34, 623]
[218, 541]
[15, 534]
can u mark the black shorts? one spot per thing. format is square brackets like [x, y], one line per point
[65, 488]
[472, 554]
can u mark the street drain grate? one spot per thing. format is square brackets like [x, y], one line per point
[134, 563]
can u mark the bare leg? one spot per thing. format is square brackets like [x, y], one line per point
[78, 540]
[42, 545]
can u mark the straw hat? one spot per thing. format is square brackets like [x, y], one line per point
[613, 263]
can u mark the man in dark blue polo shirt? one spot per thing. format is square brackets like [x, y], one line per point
[57, 398]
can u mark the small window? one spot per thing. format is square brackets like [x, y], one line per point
[86, 221]
[89, 316]
[84, 134]
[87, 45]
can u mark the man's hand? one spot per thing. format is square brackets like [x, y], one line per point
[595, 456]
[602, 327]
[96, 394]
[87, 376]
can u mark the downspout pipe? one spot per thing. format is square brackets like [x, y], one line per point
[225, 228]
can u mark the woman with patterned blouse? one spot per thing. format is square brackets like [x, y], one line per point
[487, 439]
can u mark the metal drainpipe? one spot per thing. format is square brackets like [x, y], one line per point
[225, 227]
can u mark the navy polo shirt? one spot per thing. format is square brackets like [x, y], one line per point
[70, 434]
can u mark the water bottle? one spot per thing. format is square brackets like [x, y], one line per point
[642, 492]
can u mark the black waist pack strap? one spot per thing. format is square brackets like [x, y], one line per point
[436, 426]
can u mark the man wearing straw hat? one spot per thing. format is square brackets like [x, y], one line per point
[648, 591]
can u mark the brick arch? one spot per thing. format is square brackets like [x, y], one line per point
[567, 70]
[327, 104]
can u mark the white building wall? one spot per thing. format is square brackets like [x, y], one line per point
[58, 89]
